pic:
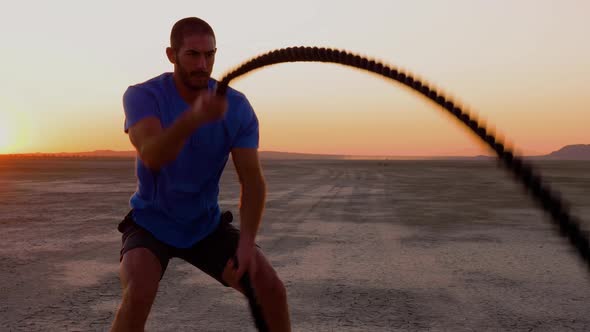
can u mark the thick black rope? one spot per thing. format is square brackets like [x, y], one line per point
[567, 225]
[255, 309]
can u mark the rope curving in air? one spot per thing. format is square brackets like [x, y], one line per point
[567, 225]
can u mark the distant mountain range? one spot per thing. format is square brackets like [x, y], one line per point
[569, 152]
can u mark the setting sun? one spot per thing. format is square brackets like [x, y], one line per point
[6, 133]
[13, 131]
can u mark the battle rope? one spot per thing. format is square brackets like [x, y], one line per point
[566, 224]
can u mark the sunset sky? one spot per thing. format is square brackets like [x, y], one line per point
[522, 66]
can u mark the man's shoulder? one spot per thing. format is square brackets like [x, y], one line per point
[233, 93]
[154, 82]
[153, 89]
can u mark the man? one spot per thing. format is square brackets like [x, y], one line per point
[183, 135]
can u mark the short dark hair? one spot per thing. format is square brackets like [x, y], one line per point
[187, 26]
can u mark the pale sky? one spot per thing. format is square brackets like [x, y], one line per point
[522, 65]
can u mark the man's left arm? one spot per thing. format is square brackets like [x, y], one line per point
[252, 200]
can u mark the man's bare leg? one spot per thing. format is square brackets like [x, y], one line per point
[140, 272]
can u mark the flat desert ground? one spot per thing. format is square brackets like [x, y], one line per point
[360, 245]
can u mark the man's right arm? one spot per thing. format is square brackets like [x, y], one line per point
[158, 146]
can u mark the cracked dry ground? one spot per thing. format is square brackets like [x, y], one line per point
[360, 245]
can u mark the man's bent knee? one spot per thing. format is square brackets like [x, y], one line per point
[277, 289]
[268, 282]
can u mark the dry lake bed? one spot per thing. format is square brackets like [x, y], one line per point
[360, 246]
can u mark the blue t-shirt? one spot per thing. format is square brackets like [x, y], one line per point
[178, 203]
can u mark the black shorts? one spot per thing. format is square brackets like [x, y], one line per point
[210, 254]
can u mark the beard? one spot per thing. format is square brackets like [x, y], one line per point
[194, 80]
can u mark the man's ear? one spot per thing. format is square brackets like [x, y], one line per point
[171, 55]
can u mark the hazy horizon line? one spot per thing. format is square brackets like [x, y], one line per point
[131, 152]
[260, 151]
